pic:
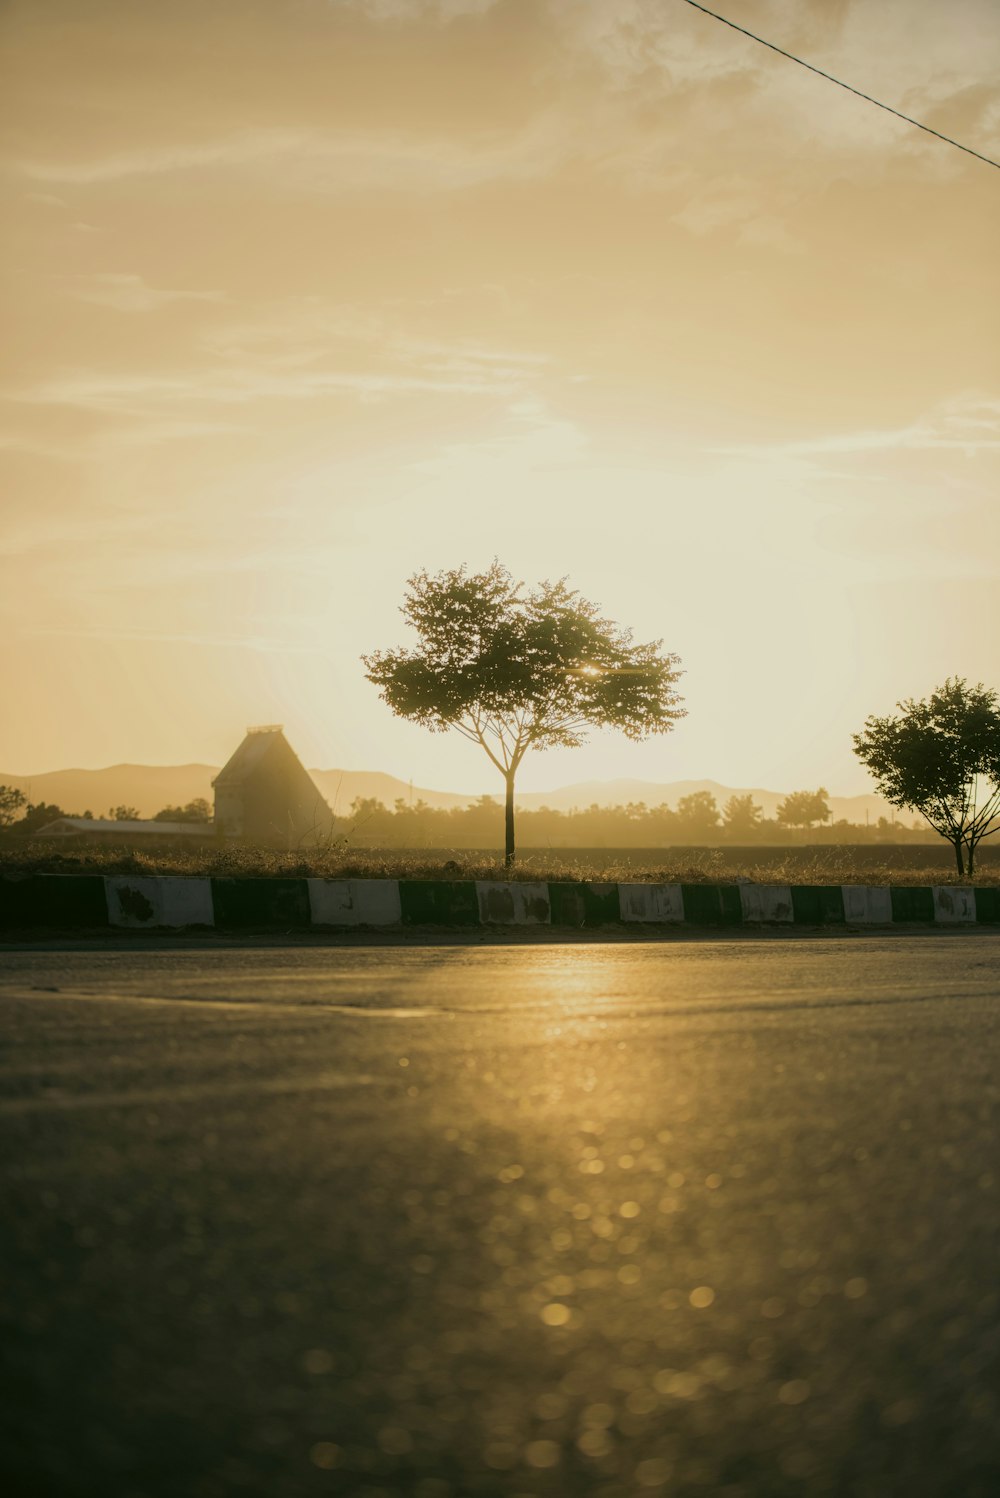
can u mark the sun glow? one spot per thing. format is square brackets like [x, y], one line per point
[688, 334]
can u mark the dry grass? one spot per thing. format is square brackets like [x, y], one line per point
[832, 867]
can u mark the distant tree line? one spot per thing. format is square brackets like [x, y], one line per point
[28, 817]
[696, 821]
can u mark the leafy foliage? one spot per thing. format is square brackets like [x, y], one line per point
[197, 810]
[941, 757]
[697, 813]
[803, 809]
[11, 801]
[741, 816]
[123, 814]
[39, 814]
[515, 669]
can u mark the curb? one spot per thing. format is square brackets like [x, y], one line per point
[159, 902]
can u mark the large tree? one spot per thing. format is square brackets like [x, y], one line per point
[515, 668]
[941, 757]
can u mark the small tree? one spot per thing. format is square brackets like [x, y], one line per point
[697, 814]
[803, 809]
[40, 814]
[123, 813]
[514, 670]
[11, 802]
[741, 816]
[941, 758]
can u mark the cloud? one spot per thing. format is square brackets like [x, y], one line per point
[438, 11]
[968, 423]
[131, 293]
[141, 393]
[332, 160]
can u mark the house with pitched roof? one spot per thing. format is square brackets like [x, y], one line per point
[265, 795]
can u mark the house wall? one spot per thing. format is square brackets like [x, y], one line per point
[276, 803]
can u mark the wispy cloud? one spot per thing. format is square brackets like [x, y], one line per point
[140, 394]
[330, 160]
[438, 11]
[132, 293]
[968, 423]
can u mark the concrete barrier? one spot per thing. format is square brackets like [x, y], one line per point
[867, 905]
[62, 902]
[766, 903]
[513, 903]
[354, 902]
[584, 904]
[954, 904]
[988, 906]
[818, 904]
[913, 903]
[438, 902]
[712, 904]
[651, 902]
[68, 902]
[135, 902]
[264, 904]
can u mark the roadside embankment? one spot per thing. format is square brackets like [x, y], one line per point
[88, 902]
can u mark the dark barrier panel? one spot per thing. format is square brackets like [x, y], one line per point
[575, 904]
[438, 902]
[261, 903]
[988, 905]
[912, 903]
[712, 904]
[67, 901]
[818, 904]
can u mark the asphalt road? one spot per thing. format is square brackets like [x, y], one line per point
[581, 1220]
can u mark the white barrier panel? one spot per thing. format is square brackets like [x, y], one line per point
[151, 900]
[766, 902]
[354, 902]
[867, 904]
[954, 903]
[651, 902]
[517, 903]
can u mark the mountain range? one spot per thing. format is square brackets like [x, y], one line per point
[149, 788]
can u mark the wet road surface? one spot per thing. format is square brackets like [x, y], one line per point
[713, 1217]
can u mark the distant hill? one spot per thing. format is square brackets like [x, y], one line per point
[151, 787]
[342, 787]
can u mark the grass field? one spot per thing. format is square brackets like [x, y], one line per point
[835, 866]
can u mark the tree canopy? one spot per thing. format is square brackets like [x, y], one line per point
[197, 810]
[803, 809]
[12, 799]
[515, 668]
[941, 757]
[741, 815]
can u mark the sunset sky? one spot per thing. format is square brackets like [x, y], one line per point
[302, 295]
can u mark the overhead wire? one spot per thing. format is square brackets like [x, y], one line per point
[841, 84]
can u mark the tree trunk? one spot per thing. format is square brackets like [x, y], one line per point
[958, 857]
[972, 856]
[508, 821]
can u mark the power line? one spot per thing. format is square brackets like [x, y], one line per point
[841, 84]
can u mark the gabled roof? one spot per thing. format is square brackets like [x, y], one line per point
[254, 748]
[65, 825]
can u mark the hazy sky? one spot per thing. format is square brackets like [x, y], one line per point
[303, 295]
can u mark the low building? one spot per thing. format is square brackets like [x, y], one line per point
[99, 829]
[265, 795]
